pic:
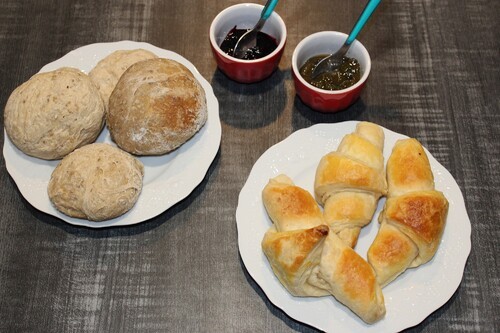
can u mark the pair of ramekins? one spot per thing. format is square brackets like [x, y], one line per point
[245, 16]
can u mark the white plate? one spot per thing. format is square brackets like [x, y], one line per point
[409, 299]
[167, 179]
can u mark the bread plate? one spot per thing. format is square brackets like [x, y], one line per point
[168, 178]
[409, 299]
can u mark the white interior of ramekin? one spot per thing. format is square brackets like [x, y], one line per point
[327, 42]
[245, 16]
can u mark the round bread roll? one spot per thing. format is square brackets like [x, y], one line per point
[156, 106]
[108, 71]
[96, 182]
[53, 113]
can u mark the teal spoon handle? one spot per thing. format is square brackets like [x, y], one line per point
[268, 9]
[363, 18]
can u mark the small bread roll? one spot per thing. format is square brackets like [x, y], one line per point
[108, 71]
[53, 113]
[156, 106]
[96, 182]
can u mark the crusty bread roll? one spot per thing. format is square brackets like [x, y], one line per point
[96, 182]
[156, 106]
[53, 113]
[108, 71]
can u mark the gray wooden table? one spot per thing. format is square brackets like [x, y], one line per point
[435, 76]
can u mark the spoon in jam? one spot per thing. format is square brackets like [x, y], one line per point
[249, 39]
[333, 61]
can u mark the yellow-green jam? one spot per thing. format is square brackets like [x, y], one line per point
[343, 77]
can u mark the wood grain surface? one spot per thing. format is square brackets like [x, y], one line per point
[435, 76]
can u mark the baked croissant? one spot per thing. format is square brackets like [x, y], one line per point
[414, 215]
[350, 181]
[293, 244]
[290, 207]
[311, 261]
[350, 279]
[293, 255]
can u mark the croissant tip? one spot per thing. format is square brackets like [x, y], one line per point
[323, 229]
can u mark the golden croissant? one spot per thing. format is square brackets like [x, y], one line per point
[308, 259]
[350, 181]
[414, 214]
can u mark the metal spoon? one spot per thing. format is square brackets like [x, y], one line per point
[249, 38]
[333, 61]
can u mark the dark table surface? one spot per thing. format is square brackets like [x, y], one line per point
[435, 76]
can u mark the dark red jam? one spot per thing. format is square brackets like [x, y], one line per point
[265, 44]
